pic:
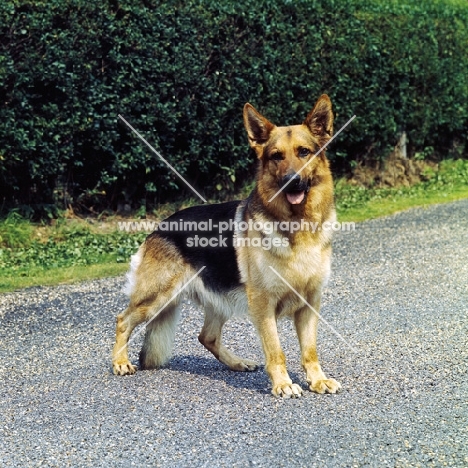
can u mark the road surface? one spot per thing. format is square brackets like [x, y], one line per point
[398, 296]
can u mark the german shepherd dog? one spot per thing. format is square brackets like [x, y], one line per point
[227, 258]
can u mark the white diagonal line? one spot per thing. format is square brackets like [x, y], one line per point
[313, 157]
[313, 310]
[162, 308]
[160, 157]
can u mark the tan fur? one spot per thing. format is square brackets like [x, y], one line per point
[159, 271]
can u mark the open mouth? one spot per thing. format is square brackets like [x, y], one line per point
[297, 191]
[295, 188]
[295, 198]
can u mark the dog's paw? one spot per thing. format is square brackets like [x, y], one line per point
[245, 365]
[123, 368]
[325, 386]
[287, 390]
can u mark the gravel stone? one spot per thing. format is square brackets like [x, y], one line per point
[398, 296]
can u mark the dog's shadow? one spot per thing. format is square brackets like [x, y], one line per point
[211, 368]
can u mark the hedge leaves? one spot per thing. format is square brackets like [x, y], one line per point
[181, 72]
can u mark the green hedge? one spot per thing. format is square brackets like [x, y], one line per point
[181, 71]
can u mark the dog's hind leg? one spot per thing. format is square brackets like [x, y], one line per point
[126, 322]
[210, 338]
[157, 273]
[162, 314]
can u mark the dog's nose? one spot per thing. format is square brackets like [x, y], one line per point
[293, 181]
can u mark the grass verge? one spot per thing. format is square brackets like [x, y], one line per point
[449, 183]
[77, 250]
[64, 275]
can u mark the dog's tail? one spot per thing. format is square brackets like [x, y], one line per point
[159, 338]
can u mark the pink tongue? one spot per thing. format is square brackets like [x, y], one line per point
[295, 198]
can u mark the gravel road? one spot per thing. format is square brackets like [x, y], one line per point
[398, 295]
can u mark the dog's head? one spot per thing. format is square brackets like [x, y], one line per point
[288, 154]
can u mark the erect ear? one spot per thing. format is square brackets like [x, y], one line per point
[258, 127]
[320, 119]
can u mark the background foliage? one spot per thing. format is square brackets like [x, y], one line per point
[181, 72]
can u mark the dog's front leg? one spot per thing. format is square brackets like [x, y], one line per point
[306, 321]
[263, 316]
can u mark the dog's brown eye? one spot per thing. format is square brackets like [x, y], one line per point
[277, 157]
[303, 152]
